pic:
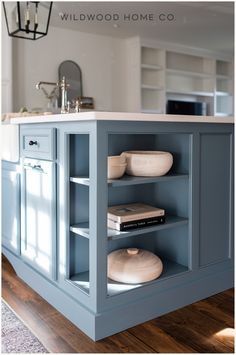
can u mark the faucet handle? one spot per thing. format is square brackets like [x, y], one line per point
[76, 104]
[63, 84]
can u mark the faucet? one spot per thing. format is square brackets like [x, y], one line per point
[65, 106]
[62, 84]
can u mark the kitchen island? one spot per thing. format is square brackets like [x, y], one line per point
[59, 242]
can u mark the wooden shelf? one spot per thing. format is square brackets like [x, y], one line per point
[193, 74]
[127, 180]
[170, 269]
[82, 229]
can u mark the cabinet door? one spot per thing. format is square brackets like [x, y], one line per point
[11, 210]
[38, 239]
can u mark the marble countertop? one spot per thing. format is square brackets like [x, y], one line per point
[118, 116]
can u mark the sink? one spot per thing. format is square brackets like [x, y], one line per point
[10, 142]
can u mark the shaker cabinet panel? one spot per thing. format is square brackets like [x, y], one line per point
[11, 210]
[215, 197]
[38, 240]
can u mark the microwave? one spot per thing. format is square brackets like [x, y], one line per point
[186, 108]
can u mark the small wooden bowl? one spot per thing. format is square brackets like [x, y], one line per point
[133, 266]
[116, 166]
[148, 163]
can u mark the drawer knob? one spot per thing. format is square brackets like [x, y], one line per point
[33, 142]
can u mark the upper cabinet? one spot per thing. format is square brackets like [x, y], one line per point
[168, 74]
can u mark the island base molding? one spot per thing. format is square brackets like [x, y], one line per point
[101, 325]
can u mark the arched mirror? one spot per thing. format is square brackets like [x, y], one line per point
[72, 72]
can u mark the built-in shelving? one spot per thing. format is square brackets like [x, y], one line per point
[169, 240]
[170, 269]
[152, 80]
[170, 75]
[224, 88]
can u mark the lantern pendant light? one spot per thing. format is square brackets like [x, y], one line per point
[27, 19]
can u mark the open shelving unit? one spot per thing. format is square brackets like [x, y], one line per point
[170, 75]
[224, 88]
[171, 240]
[78, 244]
[152, 80]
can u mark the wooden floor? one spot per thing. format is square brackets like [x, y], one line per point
[203, 327]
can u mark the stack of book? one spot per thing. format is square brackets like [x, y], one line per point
[134, 215]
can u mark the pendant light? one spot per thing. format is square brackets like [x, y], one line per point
[27, 19]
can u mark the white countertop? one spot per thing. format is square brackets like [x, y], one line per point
[118, 116]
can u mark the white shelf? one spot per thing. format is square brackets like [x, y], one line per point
[222, 114]
[192, 93]
[82, 180]
[223, 93]
[158, 111]
[151, 67]
[224, 77]
[151, 87]
[193, 74]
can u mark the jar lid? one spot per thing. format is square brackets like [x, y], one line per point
[133, 265]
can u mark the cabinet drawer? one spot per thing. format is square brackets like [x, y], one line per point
[38, 143]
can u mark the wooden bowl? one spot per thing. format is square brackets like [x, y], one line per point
[116, 166]
[116, 160]
[133, 266]
[148, 163]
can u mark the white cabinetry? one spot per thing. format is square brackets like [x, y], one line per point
[152, 80]
[224, 88]
[162, 73]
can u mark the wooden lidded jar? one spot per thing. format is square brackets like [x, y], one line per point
[133, 266]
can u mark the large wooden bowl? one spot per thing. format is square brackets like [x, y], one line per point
[133, 266]
[148, 163]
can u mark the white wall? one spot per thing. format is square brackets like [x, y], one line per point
[6, 63]
[97, 56]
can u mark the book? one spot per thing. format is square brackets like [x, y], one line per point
[133, 212]
[141, 223]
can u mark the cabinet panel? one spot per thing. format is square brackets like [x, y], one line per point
[11, 210]
[215, 192]
[38, 245]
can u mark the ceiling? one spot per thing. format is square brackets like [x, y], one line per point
[208, 25]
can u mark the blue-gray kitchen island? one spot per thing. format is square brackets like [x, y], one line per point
[55, 201]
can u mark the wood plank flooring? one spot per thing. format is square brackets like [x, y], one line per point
[203, 327]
